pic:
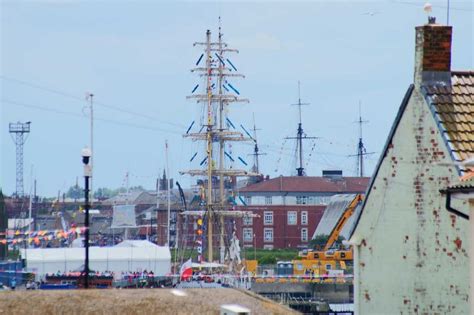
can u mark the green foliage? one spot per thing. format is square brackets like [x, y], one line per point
[106, 193]
[320, 241]
[135, 188]
[267, 259]
[13, 254]
[75, 192]
[269, 256]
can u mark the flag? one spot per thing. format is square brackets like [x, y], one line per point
[186, 270]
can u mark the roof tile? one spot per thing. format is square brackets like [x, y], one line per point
[454, 107]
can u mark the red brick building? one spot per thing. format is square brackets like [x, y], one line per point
[290, 208]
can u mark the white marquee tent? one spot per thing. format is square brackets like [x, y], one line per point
[131, 256]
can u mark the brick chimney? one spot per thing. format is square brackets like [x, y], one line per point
[433, 54]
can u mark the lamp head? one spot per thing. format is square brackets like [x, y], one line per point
[86, 155]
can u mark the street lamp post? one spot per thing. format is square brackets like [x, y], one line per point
[86, 155]
[254, 247]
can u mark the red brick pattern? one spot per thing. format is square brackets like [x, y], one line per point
[436, 47]
[284, 234]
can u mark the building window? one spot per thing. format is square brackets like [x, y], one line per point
[268, 200]
[248, 200]
[304, 217]
[328, 267]
[268, 235]
[269, 247]
[248, 234]
[268, 217]
[316, 200]
[292, 218]
[304, 235]
[301, 200]
[247, 221]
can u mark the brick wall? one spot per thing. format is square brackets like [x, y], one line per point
[285, 235]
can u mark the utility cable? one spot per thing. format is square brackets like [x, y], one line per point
[57, 111]
[64, 94]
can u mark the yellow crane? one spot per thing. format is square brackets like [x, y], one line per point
[342, 221]
[328, 257]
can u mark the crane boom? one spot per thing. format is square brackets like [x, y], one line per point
[342, 221]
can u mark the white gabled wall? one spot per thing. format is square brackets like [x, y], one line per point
[412, 253]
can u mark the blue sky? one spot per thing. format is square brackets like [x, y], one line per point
[135, 56]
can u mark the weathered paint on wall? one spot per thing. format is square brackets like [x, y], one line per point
[471, 265]
[412, 253]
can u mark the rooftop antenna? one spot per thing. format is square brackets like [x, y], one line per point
[447, 13]
[300, 136]
[19, 130]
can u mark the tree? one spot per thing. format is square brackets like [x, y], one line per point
[104, 193]
[75, 192]
[321, 240]
[137, 188]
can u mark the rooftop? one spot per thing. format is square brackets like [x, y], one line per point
[453, 107]
[310, 184]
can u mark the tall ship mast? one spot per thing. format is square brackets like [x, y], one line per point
[215, 67]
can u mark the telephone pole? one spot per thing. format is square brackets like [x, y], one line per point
[19, 132]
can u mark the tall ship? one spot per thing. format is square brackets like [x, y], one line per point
[216, 173]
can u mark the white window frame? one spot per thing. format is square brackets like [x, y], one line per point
[304, 234]
[268, 200]
[248, 200]
[304, 217]
[294, 215]
[247, 221]
[270, 218]
[247, 235]
[270, 232]
[301, 200]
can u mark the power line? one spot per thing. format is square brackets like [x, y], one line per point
[48, 109]
[112, 107]
[420, 4]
